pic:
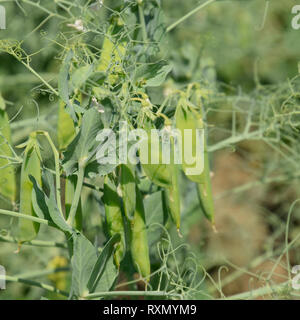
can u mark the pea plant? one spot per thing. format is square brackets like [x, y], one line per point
[113, 68]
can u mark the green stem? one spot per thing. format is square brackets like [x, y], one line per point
[201, 6]
[57, 171]
[38, 76]
[24, 216]
[77, 194]
[37, 5]
[36, 243]
[41, 273]
[259, 292]
[233, 140]
[142, 20]
[34, 284]
[131, 293]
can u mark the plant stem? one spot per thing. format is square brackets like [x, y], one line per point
[201, 6]
[130, 293]
[77, 194]
[34, 284]
[25, 216]
[41, 273]
[36, 243]
[57, 172]
[142, 20]
[232, 140]
[259, 292]
[37, 5]
[38, 76]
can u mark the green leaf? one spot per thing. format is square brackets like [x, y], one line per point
[46, 207]
[153, 74]
[95, 169]
[108, 277]
[56, 216]
[39, 201]
[80, 76]
[100, 268]
[84, 145]
[64, 89]
[83, 262]
[154, 215]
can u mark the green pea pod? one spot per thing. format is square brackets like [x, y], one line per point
[187, 118]
[139, 241]
[159, 173]
[114, 217]
[27, 230]
[7, 172]
[65, 127]
[127, 182]
[70, 185]
[173, 192]
[205, 191]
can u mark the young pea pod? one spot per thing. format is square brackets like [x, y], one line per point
[65, 127]
[127, 182]
[7, 172]
[114, 217]
[139, 241]
[27, 230]
[205, 191]
[65, 134]
[188, 118]
[172, 192]
[164, 174]
[189, 121]
[159, 172]
[70, 185]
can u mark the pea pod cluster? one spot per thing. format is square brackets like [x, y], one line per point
[188, 117]
[127, 217]
[164, 175]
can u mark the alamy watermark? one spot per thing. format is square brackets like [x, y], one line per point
[154, 146]
[296, 19]
[2, 18]
[2, 278]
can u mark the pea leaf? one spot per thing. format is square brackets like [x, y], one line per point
[46, 207]
[83, 261]
[108, 277]
[64, 89]
[154, 214]
[39, 201]
[95, 169]
[100, 269]
[80, 76]
[153, 74]
[56, 216]
[84, 145]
